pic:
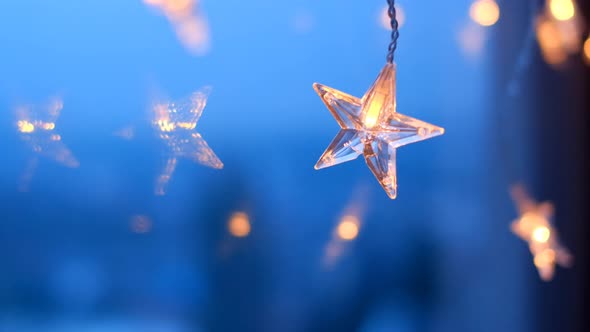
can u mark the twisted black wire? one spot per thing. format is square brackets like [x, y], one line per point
[394, 30]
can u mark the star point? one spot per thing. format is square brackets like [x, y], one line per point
[372, 127]
[176, 122]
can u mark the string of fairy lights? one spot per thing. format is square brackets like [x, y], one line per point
[370, 126]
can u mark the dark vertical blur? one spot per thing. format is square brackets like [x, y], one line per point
[543, 124]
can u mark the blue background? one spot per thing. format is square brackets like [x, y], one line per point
[439, 258]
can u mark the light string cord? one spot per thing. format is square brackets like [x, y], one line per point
[394, 30]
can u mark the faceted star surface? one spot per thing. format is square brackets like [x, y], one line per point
[534, 226]
[372, 127]
[175, 123]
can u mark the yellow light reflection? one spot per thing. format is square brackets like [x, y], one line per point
[385, 21]
[37, 124]
[562, 10]
[348, 229]
[47, 125]
[25, 126]
[485, 12]
[239, 225]
[175, 124]
[541, 234]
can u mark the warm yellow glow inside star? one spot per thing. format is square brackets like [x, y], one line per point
[534, 226]
[36, 125]
[175, 123]
[372, 127]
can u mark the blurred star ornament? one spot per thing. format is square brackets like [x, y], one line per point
[371, 126]
[37, 127]
[535, 227]
[175, 123]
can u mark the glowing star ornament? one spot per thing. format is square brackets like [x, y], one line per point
[372, 127]
[534, 226]
[175, 123]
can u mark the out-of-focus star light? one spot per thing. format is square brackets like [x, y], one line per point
[534, 226]
[385, 21]
[587, 50]
[37, 127]
[175, 124]
[562, 10]
[485, 12]
[191, 26]
[348, 228]
[239, 225]
[372, 127]
[558, 39]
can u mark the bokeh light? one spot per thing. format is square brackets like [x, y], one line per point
[348, 229]
[562, 10]
[485, 12]
[587, 49]
[541, 234]
[550, 43]
[239, 225]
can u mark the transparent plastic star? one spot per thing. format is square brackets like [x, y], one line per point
[175, 123]
[535, 227]
[372, 127]
[36, 125]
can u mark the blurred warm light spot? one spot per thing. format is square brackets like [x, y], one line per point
[239, 225]
[48, 125]
[385, 21]
[372, 114]
[194, 34]
[587, 49]
[141, 224]
[534, 227]
[179, 6]
[38, 123]
[541, 234]
[25, 126]
[545, 258]
[187, 125]
[485, 12]
[166, 126]
[562, 10]
[348, 229]
[191, 26]
[549, 38]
